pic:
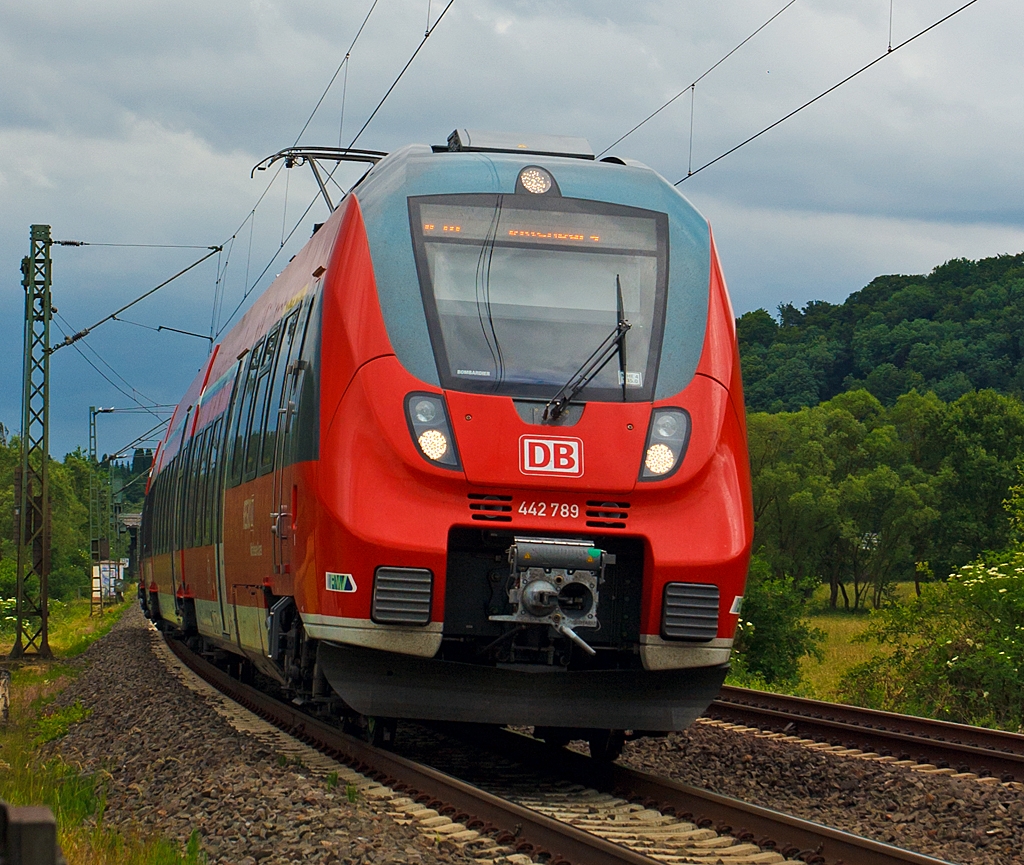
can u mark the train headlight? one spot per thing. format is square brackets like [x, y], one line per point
[659, 459]
[535, 180]
[433, 443]
[425, 410]
[667, 437]
[429, 427]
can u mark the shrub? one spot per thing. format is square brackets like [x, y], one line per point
[956, 653]
[773, 635]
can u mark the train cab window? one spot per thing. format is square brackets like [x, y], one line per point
[277, 396]
[520, 291]
[259, 405]
[240, 413]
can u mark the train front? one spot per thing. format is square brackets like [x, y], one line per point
[533, 485]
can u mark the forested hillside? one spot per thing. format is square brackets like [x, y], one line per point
[960, 328]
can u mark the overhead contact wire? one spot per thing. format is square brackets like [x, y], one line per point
[334, 77]
[394, 84]
[821, 95]
[691, 87]
[109, 380]
[68, 340]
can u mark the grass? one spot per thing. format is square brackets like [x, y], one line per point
[76, 798]
[820, 679]
[71, 629]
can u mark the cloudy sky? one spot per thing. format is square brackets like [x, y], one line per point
[138, 123]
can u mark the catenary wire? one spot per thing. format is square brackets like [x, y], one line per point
[394, 84]
[251, 216]
[696, 81]
[101, 359]
[270, 263]
[330, 83]
[144, 437]
[109, 380]
[130, 245]
[824, 93]
[68, 340]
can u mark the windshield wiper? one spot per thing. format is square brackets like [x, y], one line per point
[611, 344]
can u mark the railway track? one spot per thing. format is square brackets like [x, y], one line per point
[583, 812]
[940, 746]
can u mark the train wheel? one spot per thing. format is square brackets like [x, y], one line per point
[380, 732]
[606, 745]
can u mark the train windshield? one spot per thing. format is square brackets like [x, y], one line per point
[520, 290]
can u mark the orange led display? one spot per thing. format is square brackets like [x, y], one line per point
[551, 235]
[447, 229]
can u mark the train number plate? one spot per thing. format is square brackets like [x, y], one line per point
[560, 510]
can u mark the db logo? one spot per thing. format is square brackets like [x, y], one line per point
[551, 456]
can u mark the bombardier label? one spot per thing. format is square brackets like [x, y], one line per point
[551, 456]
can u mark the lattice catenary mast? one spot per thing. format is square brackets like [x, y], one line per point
[32, 493]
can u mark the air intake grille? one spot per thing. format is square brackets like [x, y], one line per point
[401, 596]
[690, 612]
[491, 508]
[607, 515]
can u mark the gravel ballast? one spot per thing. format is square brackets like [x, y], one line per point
[174, 765]
[961, 821]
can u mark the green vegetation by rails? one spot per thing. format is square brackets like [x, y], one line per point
[956, 653]
[29, 777]
[72, 629]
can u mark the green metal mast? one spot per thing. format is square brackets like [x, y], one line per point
[33, 495]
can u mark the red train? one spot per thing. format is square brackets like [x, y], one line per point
[477, 454]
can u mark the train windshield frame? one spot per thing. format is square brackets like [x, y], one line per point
[519, 290]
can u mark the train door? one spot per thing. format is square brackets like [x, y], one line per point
[277, 450]
[176, 546]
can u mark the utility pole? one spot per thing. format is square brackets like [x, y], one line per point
[33, 489]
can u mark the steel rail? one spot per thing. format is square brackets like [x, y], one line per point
[533, 832]
[792, 836]
[940, 743]
[511, 824]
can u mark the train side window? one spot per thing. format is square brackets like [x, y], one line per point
[212, 513]
[243, 400]
[165, 532]
[275, 400]
[161, 513]
[299, 438]
[200, 472]
[180, 475]
[154, 532]
[165, 509]
[259, 405]
[173, 494]
[189, 464]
